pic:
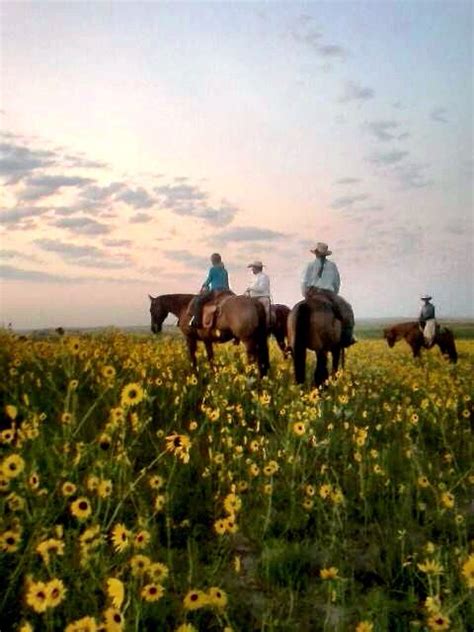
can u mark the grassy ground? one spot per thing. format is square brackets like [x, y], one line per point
[136, 496]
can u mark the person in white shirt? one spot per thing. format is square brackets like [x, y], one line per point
[321, 276]
[260, 287]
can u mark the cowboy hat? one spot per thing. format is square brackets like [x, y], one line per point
[255, 264]
[321, 249]
[425, 297]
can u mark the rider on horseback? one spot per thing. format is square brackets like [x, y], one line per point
[217, 281]
[321, 276]
[427, 320]
[260, 287]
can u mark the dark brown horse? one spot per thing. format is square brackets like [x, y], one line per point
[279, 326]
[313, 325]
[236, 317]
[412, 333]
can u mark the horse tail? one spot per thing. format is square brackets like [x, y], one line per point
[301, 325]
[261, 339]
[447, 344]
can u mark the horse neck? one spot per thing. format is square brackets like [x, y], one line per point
[176, 303]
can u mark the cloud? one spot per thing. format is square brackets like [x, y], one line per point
[82, 162]
[83, 226]
[383, 130]
[14, 215]
[138, 198]
[190, 200]
[356, 92]
[84, 256]
[438, 115]
[140, 218]
[19, 274]
[348, 201]
[17, 161]
[249, 233]
[305, 33]
[43, 186]
[188, 258]
[95, 193]
[412, 176]
[348, 181]
[117, 243]
[388, 158]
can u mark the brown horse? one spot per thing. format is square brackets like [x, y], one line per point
[412, 333]
[313, 325]
[279, 326]
[236, 317]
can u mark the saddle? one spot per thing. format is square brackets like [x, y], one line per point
[211, 311]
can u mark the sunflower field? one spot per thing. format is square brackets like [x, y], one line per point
[136, 495]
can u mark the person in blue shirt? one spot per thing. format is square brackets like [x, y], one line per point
[217, 281]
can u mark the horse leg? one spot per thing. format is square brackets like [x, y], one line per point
[192, 346]
[336, 354]
[209, 351]
[321, 372]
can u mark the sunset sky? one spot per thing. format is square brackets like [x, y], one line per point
[138, 138]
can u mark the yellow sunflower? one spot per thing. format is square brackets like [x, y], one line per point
[329, 573]
[438, 622]
[152, 592]
[86, 624]
[113, 620]
[132, 394]
[179, 445]
[36, 596]
[10, 541]
[195, 599]
[467, 571]
[55, 592]
[217, 597]
[12, 466]
[115, 591]
[81, 508]
[158, 572]
[120, 537]
[68, 489]
[139, 564]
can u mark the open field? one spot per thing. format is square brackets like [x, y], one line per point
[137, 496]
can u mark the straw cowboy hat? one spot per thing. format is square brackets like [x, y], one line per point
[321, 249]
[426, 297]
[255, 264]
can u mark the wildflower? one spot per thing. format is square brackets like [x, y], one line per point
[105, 441]
[113, 620]
[52, 545]
[86, 624]
[74, 345]
[325, 490]
[131, 395]
[120, 537]
[104, 488]
[10, 541]
[11, 411]
[329, 573]
[447, 500]
[467, 571]
[232, 503]
[81, 508]
[68, 489]
[152, 592]
[230, 524]
[186, 627]
[55, 592]
[195, 599]
[423, 481]
[433, 604]
[139, 564]
[179, 446]
[12, 466]
[438, 622]
[108, 372]
[7, 436]
[159, 502]
[36, 596]
[26, 627]
[141, 539]
[308, 503]
[217, 597]
[299, 428]
[254, 470]
[158, 572]
[430, 567]
[271, 468]
[337, 497]
[66, 418]
[156, 481]
[193, 425]
[220, 526]
[34, 481]
[115, 592]
[364, 626]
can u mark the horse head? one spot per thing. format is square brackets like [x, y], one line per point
[390, 336]
[158, 314]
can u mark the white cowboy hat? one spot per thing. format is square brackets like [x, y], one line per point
[426, 297]
[255, 264]
[321, 249]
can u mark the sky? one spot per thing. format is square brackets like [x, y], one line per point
[137, 138]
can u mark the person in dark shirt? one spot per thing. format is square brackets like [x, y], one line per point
[217, 281]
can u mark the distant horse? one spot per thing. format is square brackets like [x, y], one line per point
[412, 333]
[236, 317]
[279, 325]
[313, 325]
